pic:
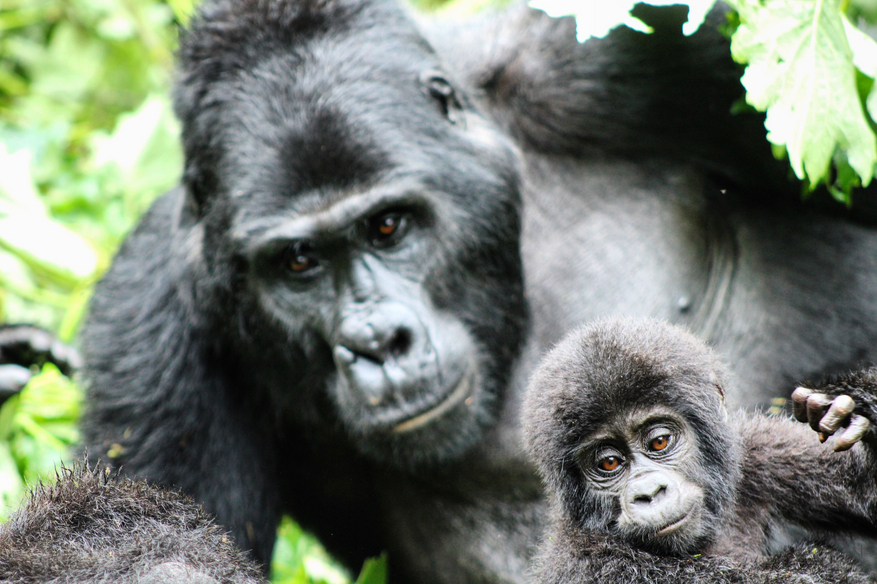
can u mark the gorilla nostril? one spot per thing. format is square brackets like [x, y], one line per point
[648, 499]
[400, 343]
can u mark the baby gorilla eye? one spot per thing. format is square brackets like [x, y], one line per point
[609, 463]
[659, 443]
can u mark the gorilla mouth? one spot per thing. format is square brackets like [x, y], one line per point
[674, 525]
[460, 393]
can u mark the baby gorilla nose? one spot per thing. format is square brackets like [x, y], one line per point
[650, 497]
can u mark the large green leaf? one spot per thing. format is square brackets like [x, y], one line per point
[800, 71]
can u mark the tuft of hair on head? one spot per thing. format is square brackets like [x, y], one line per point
[93, 526]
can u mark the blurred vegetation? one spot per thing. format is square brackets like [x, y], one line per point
[87, 141]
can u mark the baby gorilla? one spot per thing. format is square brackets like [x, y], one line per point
[650, 479]
[93, 528]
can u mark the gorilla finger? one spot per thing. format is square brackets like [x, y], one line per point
[67, 359]
[817, 405]
[837, 414]
[854, 432]
[799, 403]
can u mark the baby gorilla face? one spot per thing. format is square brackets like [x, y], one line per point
[643, 463]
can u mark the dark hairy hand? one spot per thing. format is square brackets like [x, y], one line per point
[829, 413]
[22, 346]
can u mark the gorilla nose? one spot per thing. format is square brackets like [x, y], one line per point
[377, 336]
[383, 352]
[649, 493]
[649, 498]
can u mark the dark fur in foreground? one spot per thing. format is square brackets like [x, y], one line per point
[755, 471]
[93, 528]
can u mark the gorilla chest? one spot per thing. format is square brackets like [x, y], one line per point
[598, 240]
[486, 525]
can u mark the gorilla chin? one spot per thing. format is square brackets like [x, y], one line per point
[424, 432]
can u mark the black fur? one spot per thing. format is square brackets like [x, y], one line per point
[756, 471]
[94, 528]
[540, 182]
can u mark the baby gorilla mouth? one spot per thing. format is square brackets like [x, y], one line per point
[674, 525]
[460, 393]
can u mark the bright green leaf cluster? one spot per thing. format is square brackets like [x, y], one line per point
[808, 68]
[37, 428]
[802, 58]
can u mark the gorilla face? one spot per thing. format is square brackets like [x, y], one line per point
[643, 467]
[369, 231]
[626, 422]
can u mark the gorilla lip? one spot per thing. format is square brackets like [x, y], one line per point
[460, 393]
[671, 527]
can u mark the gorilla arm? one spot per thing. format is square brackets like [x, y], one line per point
[557, 95]
[160, 402]
[787, 473]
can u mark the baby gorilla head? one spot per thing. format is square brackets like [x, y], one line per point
[626, 422]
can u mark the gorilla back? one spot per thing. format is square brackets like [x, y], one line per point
[383, 224]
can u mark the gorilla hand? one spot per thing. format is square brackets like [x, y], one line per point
[847, 406]
[24, 345]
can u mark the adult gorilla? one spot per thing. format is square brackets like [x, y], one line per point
[384, 224]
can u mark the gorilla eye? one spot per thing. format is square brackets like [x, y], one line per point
[300, 258]
[609, 463]
[387, 228]
[660, 443]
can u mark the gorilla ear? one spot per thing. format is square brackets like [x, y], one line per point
[437, 87]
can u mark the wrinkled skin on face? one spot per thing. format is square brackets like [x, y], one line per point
[644, 466]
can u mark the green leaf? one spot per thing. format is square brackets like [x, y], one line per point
[11, 485]
[27, 231]
[845, 180]
[595, 18]
[144, 147]
[374, 571]
[800, 71]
